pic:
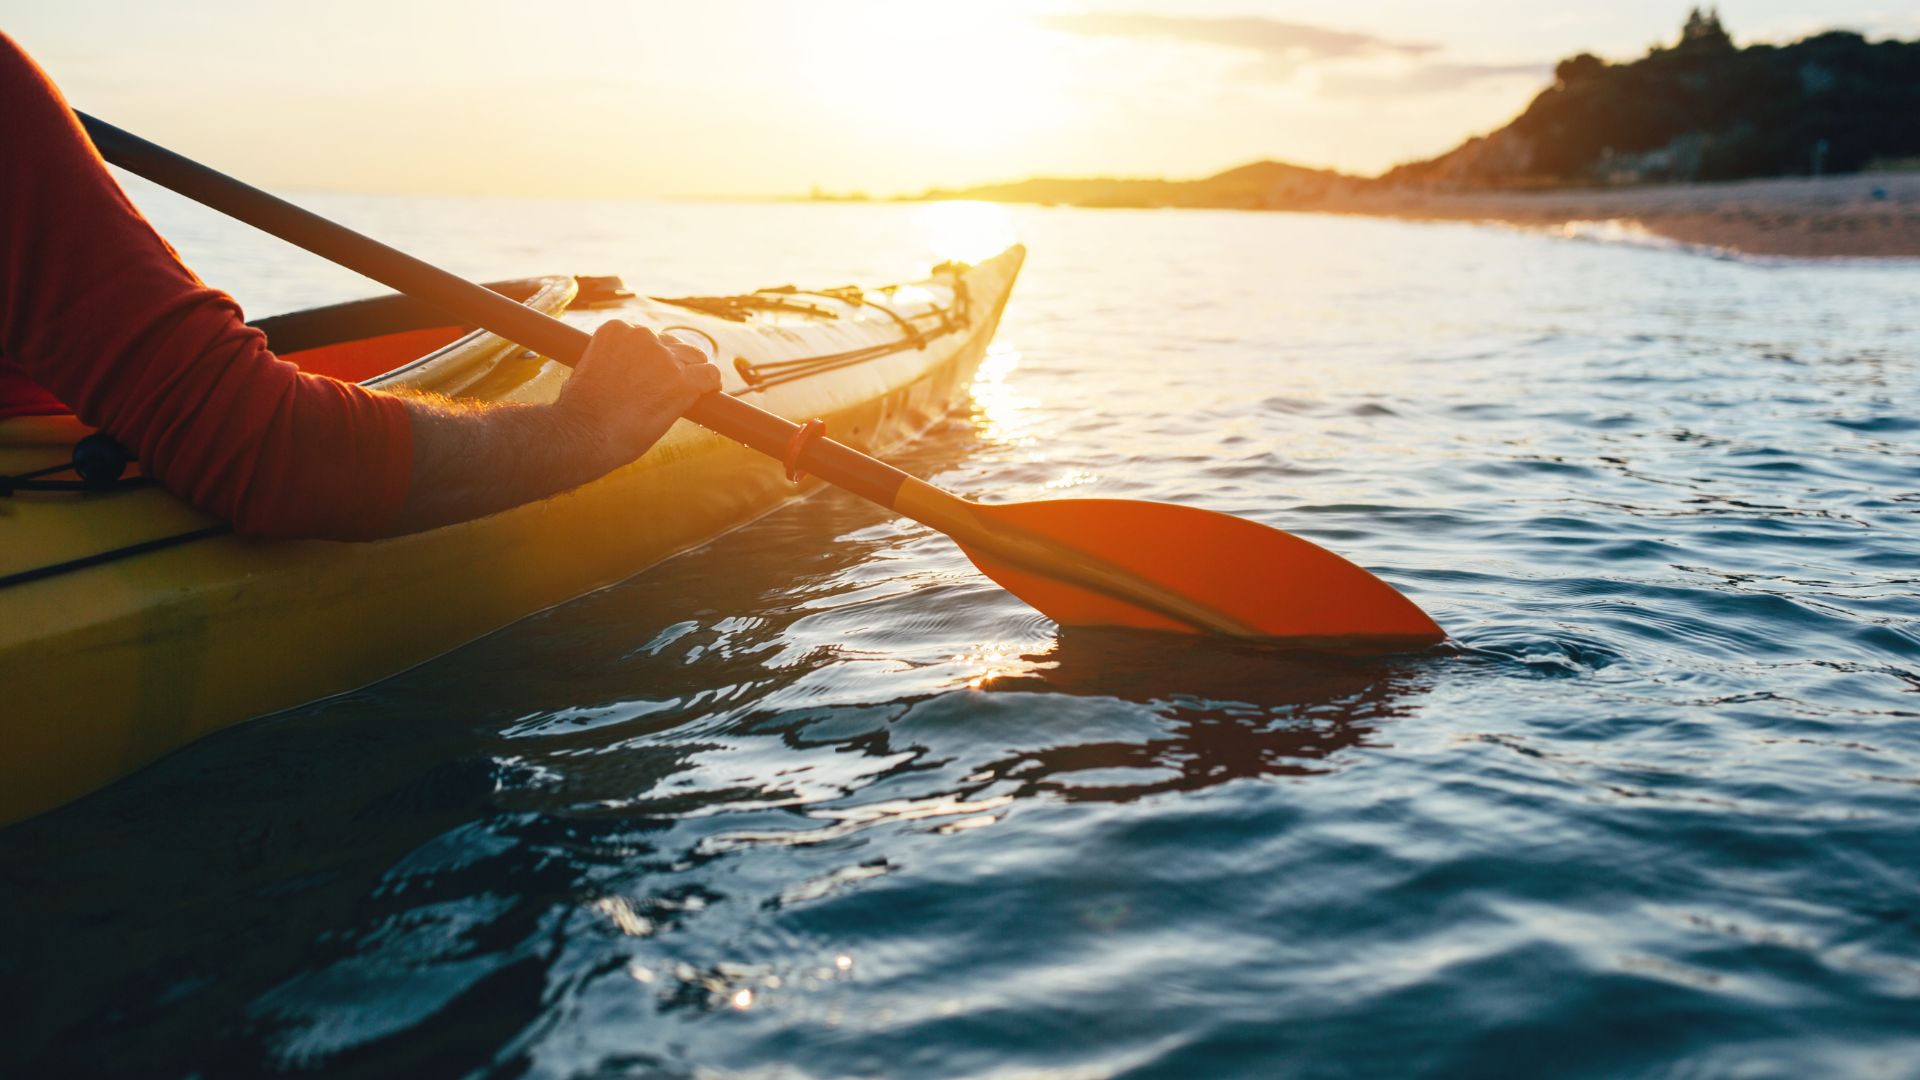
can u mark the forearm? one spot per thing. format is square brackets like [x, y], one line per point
[470, 460]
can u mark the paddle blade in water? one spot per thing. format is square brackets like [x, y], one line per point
[1158, 566]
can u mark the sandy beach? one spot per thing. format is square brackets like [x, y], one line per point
[1867, 215]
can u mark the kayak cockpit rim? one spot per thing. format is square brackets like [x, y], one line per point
[395, 313]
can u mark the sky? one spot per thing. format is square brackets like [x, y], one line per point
[738, 98]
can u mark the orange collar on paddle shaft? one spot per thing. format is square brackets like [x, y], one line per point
[796, 446]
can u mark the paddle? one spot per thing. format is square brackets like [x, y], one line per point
[1101, 562]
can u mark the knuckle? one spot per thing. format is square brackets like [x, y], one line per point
[612, 329]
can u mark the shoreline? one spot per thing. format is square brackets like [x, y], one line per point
[1853, 216]
[1832, 217]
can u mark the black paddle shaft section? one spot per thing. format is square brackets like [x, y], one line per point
[763, 431]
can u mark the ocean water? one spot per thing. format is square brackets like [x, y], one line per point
[819, 801]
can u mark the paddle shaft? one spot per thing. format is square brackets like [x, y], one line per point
[831, 461]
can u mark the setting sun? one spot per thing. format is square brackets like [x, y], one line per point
[977, 79]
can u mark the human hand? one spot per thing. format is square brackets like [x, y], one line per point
[631, 384]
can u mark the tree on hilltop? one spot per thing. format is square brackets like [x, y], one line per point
[1577, 68]
[1703, 32]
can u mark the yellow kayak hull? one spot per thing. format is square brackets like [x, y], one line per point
[108, 667]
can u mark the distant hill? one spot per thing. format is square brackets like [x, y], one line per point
[1263, 185]
[1702, 109]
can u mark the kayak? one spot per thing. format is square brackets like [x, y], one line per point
[131, 624]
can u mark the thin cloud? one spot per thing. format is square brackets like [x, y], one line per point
[1273, 37]
[1348, 61]
[1428, 79]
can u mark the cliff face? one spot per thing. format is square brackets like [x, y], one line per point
[1703, 109]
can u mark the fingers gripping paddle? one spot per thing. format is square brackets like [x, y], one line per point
[1099, 562]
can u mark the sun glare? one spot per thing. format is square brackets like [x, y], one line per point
[991, 661]
[964, 231]
[1000, 414]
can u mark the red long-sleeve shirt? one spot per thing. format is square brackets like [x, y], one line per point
[99, 316]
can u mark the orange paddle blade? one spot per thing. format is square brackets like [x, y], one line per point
[1259, 580]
